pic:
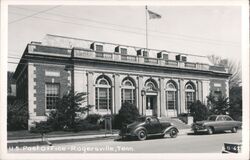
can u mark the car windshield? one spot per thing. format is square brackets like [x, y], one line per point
[141, 119]
[212, 118]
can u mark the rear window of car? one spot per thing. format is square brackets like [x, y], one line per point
[221, 118]
[228, 118]
[212, 118]
[141, 119]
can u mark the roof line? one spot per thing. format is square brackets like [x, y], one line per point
[123, 45]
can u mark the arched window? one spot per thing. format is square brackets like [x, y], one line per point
[103, 93]
[128, 91]
[190, 95]
[151, 98]
[151, 85]
[171, 96]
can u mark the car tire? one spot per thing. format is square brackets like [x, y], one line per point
[173, 133]
[142, 135]
[234, 130]
[210, 130]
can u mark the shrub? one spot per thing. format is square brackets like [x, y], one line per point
[93, 118]
[235, 110]
[199, 111]
[218, 105]
[127, 114]
[17, 116]
[83, 125]
[42, 127]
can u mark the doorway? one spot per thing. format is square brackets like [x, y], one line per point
[151, 104]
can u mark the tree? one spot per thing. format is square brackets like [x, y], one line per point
[235, 110]
[66, 110]
[234, 68]
[199, 111]
[218, 105]
[127, 114]
[17, 118]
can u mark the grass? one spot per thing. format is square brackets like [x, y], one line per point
[25, 134]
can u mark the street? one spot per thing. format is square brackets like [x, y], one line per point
[190, 143]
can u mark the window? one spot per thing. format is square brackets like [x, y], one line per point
[228, 118]
[154, 120]
[221, 118]
[103, 93]
[217, 94]
[150, 86]
[212, 118]
[99, 48]
[52, 95]
[171, 96]
[128, 91]
[145, 53]
[124, 51]
[190, 95]
[165, 56]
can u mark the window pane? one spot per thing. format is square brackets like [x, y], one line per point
[189, 99]
[128, 94]
[171, 100]
[123, 51]
[52, 95]
[99, 48]
[103, 93]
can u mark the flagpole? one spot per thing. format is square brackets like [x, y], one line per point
[146, 28]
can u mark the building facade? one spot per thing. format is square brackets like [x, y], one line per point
[160, 83]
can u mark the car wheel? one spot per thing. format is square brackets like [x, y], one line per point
[173, 133]
[234, 130]
[210, 130]
[195, 132]
[142, 135]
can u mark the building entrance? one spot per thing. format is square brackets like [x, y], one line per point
[151, 104]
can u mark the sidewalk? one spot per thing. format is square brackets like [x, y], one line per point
[72, 138]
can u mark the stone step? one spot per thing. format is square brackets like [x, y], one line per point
[177, 122]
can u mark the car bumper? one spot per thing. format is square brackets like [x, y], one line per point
[199, 129]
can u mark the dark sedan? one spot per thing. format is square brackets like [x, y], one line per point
[148, 126]
[216, 123]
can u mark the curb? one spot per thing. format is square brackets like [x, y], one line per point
[37, 141]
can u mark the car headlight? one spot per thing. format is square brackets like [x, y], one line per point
[171, 124]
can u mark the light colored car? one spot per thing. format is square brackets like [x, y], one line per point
[216, 123]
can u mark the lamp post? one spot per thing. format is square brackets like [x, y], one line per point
[143, 93]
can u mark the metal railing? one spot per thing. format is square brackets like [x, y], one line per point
[190, 65]
[104, 55]
[151, 60]
[171, 63]
[128, 58]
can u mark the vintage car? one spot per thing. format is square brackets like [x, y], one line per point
[147, 126]
[216, 123]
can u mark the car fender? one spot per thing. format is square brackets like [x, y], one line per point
[139, 128]
[169, 128]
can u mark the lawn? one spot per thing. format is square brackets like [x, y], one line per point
[25, 134]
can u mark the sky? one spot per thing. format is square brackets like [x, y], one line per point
[199, 30]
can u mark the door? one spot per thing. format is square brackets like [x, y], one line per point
[153, 126]
[151, 102]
